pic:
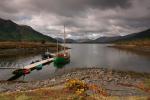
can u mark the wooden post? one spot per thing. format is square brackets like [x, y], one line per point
[57, 46]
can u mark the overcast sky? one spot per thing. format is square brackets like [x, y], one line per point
[83, 18]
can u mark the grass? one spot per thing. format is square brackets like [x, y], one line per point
[138, 42]
[147, 83]
[14, 45]
[38, 94]
[60, 94]
[10, 49]
[135, 46]
[65, 91]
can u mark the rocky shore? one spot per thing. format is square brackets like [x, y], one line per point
[115, 83]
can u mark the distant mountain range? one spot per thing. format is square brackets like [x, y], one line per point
[10, 31]
[68, 40]
[131, 37]
[105, 39]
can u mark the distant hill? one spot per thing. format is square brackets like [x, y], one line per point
[137, 36]
[10, 31]
[144, 35]
[104, 39]
[68, 40]
[83, 40]
[60, 40]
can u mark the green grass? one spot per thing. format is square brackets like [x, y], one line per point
[13, 45]
[137, 42]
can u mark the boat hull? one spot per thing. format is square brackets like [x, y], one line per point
[39, 67]
[61, 61]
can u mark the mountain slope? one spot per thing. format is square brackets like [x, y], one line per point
[10, 31]
[106, 39]
[137, 36]
[144, 35]
[68, 40]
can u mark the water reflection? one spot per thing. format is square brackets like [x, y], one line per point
[19, 72]
[16, 76]
[82, 55]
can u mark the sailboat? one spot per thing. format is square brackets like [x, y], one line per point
[62, 58]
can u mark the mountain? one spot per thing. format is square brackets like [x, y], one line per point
[131, 37]
[105, 39]
[60, 40]
[83, 40]
[10, 31]
[137, 36]
[68, 40]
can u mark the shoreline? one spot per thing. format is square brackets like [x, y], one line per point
[9, 49]
[112, 81]
[141, 50]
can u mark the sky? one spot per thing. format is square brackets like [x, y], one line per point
[82, 18]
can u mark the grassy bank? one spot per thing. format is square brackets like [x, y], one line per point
[18, 45]
[60, 93]
[138, 42]
[9, 49]
[135, 46]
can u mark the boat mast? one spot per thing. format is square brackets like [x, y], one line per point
[57, 46]
[64, 39]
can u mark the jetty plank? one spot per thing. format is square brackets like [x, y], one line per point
[38, 63]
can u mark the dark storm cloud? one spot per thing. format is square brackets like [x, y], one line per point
[81, 17]
[139, 23]
[73, 7]
[5, 6]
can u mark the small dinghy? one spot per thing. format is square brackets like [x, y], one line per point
[46, 55]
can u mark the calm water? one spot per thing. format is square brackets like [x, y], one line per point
[82, 55]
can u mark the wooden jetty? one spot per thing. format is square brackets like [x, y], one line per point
[38, 63]
[31, 65]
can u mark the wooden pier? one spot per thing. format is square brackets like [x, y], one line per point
[30, 66]
[38, 63]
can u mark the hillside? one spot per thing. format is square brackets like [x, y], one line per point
[68, 40]
[143, 36]
[140, 36]
[10, 31]
[105, 39]
[137, 43]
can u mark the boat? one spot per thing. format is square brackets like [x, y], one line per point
[39, 67]
[62, 58]
[21, 71]
[46, 55]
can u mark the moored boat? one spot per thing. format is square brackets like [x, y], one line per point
[46, 55]
[62, 58]
[22, 71]
[39, 67]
